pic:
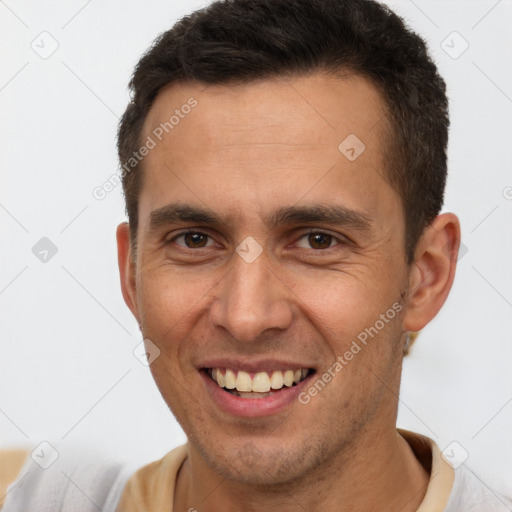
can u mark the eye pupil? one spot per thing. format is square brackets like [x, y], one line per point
[195, 239]
[320, 240]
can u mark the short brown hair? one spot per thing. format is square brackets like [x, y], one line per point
[237, 41]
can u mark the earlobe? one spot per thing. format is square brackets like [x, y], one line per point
[127, 268]
[433, 271]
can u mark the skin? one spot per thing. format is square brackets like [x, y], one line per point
[243, 152]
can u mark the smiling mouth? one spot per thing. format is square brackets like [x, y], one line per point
[256, 385]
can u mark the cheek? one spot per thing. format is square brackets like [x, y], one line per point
[172, 305]
[342, 303]
[163, 307]
[167, 304]
[360, 323]
[165, 295]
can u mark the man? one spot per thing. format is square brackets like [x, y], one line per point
[284, 168]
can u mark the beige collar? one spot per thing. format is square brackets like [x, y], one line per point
[152, 487]
[442, 474]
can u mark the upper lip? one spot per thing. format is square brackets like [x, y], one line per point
[253, 366]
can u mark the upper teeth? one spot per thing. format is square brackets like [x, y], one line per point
[261, 382]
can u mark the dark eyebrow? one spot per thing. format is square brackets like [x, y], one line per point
[317, 213]
[329, 214]
[181, 212]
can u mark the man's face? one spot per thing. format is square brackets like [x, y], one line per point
[302, 251]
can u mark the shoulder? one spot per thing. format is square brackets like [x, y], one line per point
[63, 477]
[11, 462]
[470, 493]
[452, 489]
[152, 487]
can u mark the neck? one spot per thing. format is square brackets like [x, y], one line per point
[378, 472]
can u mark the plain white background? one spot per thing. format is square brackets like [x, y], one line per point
[67, 367]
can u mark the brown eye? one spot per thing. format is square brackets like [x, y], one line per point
[320, 240]
[194, 240]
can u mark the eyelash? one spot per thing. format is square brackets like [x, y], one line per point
[338, 239]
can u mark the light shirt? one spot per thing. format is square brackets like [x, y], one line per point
[152, 488]
[77, 483]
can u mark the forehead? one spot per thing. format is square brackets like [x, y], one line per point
[267, 143]
[306, 107]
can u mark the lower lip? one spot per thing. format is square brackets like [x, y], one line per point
[252, 407]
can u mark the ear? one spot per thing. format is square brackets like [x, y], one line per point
[432, 273]
[127, 268]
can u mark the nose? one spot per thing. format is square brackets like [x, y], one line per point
[250, 300]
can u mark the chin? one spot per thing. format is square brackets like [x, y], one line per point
[260, 462]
